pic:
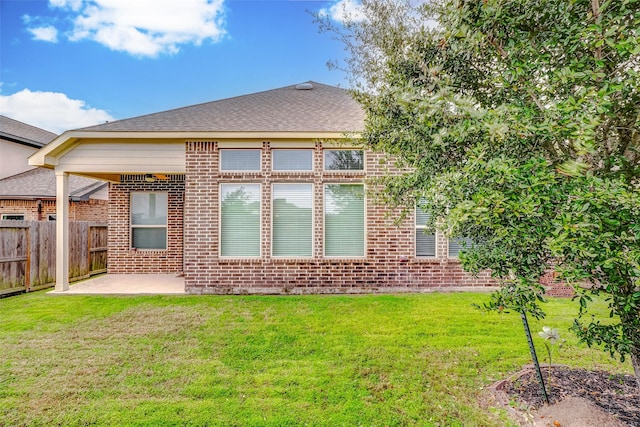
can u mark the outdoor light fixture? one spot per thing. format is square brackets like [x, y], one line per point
[149, 178]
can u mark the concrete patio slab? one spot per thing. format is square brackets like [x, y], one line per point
[127, 284]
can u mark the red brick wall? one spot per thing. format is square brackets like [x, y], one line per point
[121, 257]
[555, 287]
[389, 265]
[90, 210]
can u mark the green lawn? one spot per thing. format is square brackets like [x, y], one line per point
[255, 361]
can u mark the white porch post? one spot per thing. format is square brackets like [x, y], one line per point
[62, 231]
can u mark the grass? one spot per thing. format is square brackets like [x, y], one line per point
[390, 360]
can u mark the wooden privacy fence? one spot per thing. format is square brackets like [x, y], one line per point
[28, 253]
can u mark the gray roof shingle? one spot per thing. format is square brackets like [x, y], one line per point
[288, 109]
[23, 133]
[41, 183]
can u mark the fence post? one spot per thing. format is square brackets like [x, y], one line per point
[27, 267]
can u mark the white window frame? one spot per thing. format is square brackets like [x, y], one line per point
[364, 222]
[220, 186]
[324, 161]
[132, 226]
[312, 219]
[283, 150]
[221, 152]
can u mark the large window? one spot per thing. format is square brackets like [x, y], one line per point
[240, 220]
[149, 220]
[457, 245]
[292, 232]
[292, 159]
[344, 220]
[343, 160]
[240, 159]
[425, 243]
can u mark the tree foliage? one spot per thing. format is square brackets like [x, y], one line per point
[517, 123]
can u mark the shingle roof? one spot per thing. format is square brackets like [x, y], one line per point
[322, 108]
[23, 133]
[41, 183]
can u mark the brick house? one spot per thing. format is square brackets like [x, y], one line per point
[29, 193]
[261, 193]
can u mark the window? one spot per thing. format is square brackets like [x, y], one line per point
[149, 220]
[292, 160]
[51, 217]
[240, 220]
[343, 160]
[344, 220]
[457, 245]
[425, 243]
[240, 160]
[12, 217]
[292, 220]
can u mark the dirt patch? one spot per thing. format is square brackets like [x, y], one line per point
[578, 397]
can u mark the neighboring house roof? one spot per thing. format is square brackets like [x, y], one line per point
[40, 183]
[308, 107]
[22, 133]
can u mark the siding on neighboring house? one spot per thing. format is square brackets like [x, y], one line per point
[13, 158]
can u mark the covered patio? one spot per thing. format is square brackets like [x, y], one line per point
[127, 284]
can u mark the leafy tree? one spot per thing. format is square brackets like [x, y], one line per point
[515, 123]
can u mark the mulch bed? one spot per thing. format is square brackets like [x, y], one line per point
[614, 393]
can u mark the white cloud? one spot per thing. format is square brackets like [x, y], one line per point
[47, 34]
[51, 111]
[74, 5]
[344, 11]
[145, 28]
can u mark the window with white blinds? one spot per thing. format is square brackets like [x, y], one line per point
[240, 159]
[240, 220]
[425, 243]
[292, 159]
[457, 245]
[344, 228]
[292, 220]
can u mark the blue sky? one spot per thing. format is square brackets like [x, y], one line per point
[66, 64]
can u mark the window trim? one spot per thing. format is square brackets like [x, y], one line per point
[149, 226]
[281, 150]
[364, 222]
[261, 214]
[347, 171]
[221, 150]
[313, 222]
